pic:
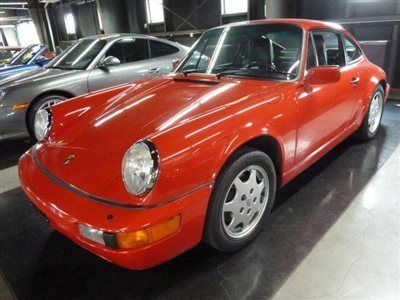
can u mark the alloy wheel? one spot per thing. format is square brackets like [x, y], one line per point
[245, 202]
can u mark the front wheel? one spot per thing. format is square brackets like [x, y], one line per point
[241, 200]
[370, 125]
[34, 113]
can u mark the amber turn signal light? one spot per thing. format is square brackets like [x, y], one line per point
[129, 240]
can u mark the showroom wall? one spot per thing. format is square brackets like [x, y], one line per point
[185, 20]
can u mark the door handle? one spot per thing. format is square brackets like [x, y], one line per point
[154, 70]
[355, 81]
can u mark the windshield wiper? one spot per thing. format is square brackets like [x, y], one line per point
[60, 68]
[186, 72]
[229, 72]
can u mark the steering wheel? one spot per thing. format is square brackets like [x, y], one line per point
[253, 64]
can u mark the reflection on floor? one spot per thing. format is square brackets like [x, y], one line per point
[359, 257]
[287, 259]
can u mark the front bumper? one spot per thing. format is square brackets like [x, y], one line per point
[65, 210]
[12, 122]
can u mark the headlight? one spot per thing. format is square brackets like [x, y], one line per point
[43, 123]
[140, 167]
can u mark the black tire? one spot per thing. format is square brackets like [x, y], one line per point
[214, 233]
[33, 110]
[363, 133]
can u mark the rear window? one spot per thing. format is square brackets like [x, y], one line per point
[161, 49]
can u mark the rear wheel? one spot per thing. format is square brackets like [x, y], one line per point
[33, 113]
[242, 198]
[370, 125]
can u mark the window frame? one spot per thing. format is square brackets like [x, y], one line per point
[340, 40]
[223, 6]
[148, 13]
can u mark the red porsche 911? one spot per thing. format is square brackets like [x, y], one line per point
[140, 173]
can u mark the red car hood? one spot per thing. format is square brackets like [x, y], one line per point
[99, 139]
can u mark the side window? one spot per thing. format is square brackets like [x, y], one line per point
[311, 56]
[353, 53]
[161, 49]
[329, 47]
[129, 50]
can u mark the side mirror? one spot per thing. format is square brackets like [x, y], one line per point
[109, 61]
[323, 75]
[175, 63]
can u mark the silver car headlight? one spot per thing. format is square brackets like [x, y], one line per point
[140, 167]
[43, 123]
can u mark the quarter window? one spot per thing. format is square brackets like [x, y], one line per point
[353, 52]
[311, 56]
[160, 49]
[329, 47]
[129, 50]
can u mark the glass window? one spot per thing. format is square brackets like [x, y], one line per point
[129, 50]
[79, 55]
[154, 11]
[160, 49]
[329, 48]
[311, 56]
[353, 52]
[200, 58]
[25, 55]
[229, 7]
[272, 50]
[69, 23]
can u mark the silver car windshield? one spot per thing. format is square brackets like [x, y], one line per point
[262, 50]
[25, 56]
[79, 55]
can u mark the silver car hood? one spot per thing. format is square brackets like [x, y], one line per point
[33, 75]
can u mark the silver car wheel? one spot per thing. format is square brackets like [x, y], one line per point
[245, 202]
[375, 112]
[38, 114]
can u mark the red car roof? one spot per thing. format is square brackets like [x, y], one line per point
[304, 23]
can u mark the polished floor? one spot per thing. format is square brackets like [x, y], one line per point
[334, 234]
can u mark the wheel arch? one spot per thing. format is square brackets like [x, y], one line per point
[42, 95]
[266, 143]
[383, 83]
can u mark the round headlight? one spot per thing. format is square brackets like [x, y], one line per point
[43, 123]
[140, 167]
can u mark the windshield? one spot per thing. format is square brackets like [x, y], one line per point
[79, 55]
[25, 56]
[266, 50]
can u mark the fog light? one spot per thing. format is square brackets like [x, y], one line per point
[129, 240]
[92, 234]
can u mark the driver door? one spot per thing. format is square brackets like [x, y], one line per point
[133, 53]
[324, 109]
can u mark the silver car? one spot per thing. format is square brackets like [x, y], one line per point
[88, 65]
